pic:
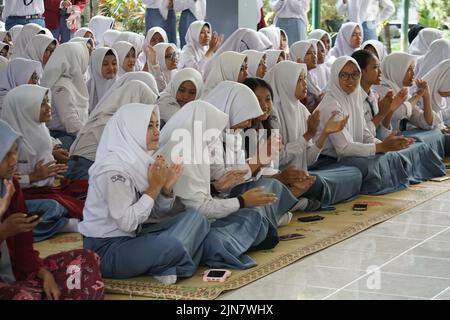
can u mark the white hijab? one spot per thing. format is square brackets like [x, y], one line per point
[142, 58]
[122, 48]
[109, 38]
[438, 80]
[99, 25]
[143, 76]
[298, 51]
[15, 32]
[2, 45]
[192, 42]
[378, 46]
[292, 113]
[321, 73]
[342, 46]
[439, 51]
[226, 67]
[82, 32]
[272, 57]
[167, 101]
[197, 115]
[36, 47]
[336, 99]
[160, 49]
[28, 31]
[123, 146]
[3, 63]
[66, 68]
[134, 91]
[240, 40]
[253, 60]
[97, 85]
[318, 35]
[422, 42]
[137, 40]
[21, 110]
[274, 35]
[17, 72]
[3, 35]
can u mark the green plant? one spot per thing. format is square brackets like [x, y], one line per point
[128, 14]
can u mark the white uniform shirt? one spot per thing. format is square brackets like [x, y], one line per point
[291, 9]
[370, 111]
[114, 208]
[369, 10]
[197, 7]
[18, 8]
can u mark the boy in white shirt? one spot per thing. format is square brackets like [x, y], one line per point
[23, 12]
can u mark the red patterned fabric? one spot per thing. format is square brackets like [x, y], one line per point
[76, 272]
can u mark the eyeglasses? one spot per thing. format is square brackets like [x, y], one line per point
[347, 76]
[172, 56]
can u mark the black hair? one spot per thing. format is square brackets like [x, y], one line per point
[254, 83]
[414, 31]
[110, 53]
[363, 57]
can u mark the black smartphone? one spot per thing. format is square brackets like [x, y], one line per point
[360, 207]
[310, 218]
[38, 213]
[447, 166]
[291, 236]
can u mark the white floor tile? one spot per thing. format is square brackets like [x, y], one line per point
[404, 230]
[402, 285]
[445, 236]
[445, 295]
[417, 216]
[433, 249]
[420, 266]
[363, 295]
[433, 205]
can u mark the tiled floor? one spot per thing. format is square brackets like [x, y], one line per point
[407, 257]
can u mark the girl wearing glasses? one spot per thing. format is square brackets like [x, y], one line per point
[162, 60]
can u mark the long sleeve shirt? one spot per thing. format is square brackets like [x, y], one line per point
[65, 116]
[369, 10]
[370, 106]
[114, 208]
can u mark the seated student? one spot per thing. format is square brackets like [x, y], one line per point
[298, 127]
[64, 75]
[306, 52]
[438, 80]
[241, 221]
[18, 71]
[277, 37]
[323, 36]
[84, 148]
[376, 47]
[88, 42]
[256, 63]
[230, 66]
[191, 11]
[185, 86]
[273, 57]
[320, 75]
[84, 33]
[163, 63]
[23, 275]
[240, 40]
[40, 48]
[154, 36]
[103, 68]
[241, 105]
[348, 40]
[378, 113]
[27, 109]
[398, 72]
[4, 50]
[128, 187]
[439, 51]
[355, 145]
[137, 40]
[423, 40]
[126, 54]
[201, 44]
[23, 38]
[99, 25]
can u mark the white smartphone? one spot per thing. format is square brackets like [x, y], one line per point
[440, 179]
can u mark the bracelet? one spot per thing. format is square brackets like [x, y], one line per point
[241, 202]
